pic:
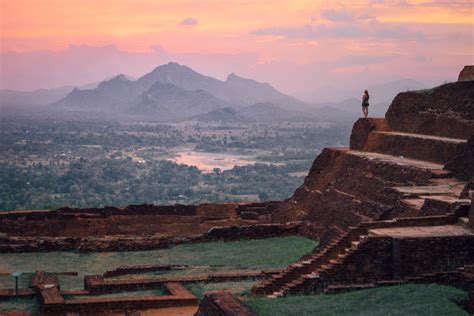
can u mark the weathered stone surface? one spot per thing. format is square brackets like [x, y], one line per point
[447, 110]
[462, 164]
[144, 242]
[467, 73]
[471, 213]
[223, 303]
[361, 130]
[177, 220]
[344, 188]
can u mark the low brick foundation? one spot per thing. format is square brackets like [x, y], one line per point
[223, 303]
[98, 284]
[136, 243]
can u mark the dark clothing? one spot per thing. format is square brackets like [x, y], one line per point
[365, 100]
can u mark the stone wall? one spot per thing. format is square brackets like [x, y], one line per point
[447, 110]
[386, 258]
[462, 164]
[137, 220]
[223, 303]
[416, 256]
[136, 243]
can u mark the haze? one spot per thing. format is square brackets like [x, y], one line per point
[310, 49]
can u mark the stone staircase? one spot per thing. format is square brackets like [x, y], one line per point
[293, 275]
[424, 154]
[316, 271]
[416, 146]
[443, 191]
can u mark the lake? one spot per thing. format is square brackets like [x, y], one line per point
[206, 162]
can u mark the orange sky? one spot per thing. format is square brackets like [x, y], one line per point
[349, 37]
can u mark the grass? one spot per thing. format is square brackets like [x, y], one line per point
[239, 288]
[411, 299]
[275, 252]
[30, 305]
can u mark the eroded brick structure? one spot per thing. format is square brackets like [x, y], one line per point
[392, 206]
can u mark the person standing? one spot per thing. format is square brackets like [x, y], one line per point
[365, 103]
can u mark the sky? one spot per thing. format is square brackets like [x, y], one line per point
[302, 47]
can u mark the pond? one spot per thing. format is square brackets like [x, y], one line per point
[206, 161]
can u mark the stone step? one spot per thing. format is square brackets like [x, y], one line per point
[380, 124]
[464, 222]
[449, 199]
[435, 168]
[416, 146]
[417, 191]
[424, 137]
[355, 243]
[415, 203]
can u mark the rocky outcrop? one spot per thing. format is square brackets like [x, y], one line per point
[467, 73]
[446, 111]
[345, 187]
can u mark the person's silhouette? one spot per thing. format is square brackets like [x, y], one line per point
[365, 103]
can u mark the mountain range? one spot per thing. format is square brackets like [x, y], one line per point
[41, 96]
[174, 92]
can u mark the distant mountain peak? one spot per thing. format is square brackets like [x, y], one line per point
[232, 77]
[121, 77]
[171, 66]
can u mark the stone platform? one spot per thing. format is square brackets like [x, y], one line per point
[422, 231]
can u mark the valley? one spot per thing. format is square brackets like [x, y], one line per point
[48, 163]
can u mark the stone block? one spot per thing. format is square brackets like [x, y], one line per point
[467, 73]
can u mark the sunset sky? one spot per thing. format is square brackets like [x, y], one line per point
[298, 46]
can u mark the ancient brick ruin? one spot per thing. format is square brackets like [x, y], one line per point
[391, 207]
[394, 207]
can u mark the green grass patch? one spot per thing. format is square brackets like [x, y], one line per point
[239, 288]
[266, 253]
[24, 304]
[411, 299]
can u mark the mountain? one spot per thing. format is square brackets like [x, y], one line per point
[110, 95]
[224, 115]
[244, 91]
[165, 101]
[269, 112]
[380, 97]
[235, 91]
[42, 96]
[380, 93]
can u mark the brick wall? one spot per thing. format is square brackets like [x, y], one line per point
[222, 303]
[386, 258]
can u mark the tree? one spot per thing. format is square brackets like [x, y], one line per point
[263, 196]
